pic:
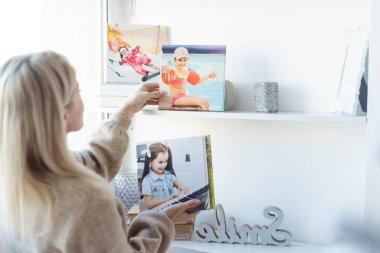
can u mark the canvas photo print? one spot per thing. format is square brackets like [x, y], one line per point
[175, 170]
[132, 54]
[193, 77]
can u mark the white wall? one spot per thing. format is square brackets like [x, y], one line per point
[315, 172]
[373, 179]
[297, 43]
[73, 28]
[20, 37]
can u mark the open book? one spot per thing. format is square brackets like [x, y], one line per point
[175, 170]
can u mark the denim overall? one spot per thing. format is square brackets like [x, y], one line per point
[161, 187]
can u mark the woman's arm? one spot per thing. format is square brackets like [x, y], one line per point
[107, 147]
[176, 214]
[101, 227]
[110, 142]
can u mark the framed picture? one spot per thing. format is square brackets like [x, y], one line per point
[354, 66]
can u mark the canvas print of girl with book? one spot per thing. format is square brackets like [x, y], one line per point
[193, 77]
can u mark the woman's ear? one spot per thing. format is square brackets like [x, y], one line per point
[65, 114]
[66, 117]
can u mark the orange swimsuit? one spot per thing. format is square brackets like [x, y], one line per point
[177, 81]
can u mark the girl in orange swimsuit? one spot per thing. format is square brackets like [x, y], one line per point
[178, 76]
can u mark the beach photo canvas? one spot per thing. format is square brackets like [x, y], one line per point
[193, 77]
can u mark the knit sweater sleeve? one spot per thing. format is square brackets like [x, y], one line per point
[101, 228]
[150, 232]
[107, 147]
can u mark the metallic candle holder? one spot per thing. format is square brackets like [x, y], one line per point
[266, 95]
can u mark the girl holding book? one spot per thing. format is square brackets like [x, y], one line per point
[51, 199]
[177, 78]
[159, 178]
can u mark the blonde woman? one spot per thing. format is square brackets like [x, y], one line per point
[49, 201]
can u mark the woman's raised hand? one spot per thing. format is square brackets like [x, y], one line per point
[145, 94]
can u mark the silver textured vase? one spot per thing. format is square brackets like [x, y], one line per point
[126, 188]
[266, 96]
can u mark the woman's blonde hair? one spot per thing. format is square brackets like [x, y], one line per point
[34, 91]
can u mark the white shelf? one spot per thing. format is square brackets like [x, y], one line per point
[237, 248]
[249, 115]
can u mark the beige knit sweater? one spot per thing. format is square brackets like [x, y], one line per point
[92, 220]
